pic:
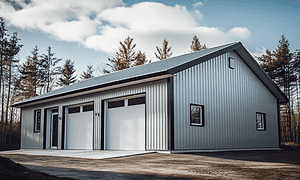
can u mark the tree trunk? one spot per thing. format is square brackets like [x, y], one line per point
[2, 113]
[8, 101]
[1, 77]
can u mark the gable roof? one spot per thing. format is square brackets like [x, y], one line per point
[158, 70]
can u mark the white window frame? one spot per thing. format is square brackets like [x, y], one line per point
[36, 130]
[201, 115]
[260, 121]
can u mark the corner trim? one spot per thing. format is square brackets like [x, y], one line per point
[63, 127]
[102, 124]
[170, 86]
[45, 129]
[20, 129]
[279, 126]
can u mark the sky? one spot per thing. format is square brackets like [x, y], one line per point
[88, 32]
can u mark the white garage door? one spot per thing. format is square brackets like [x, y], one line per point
[125, 124]
[79, 127]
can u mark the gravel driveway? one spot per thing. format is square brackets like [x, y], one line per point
[219, 165]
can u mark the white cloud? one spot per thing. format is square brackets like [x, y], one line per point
[64, 19]
[100, 25]
[197, 4]
[259, 52]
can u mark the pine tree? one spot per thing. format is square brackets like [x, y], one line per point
[140, 59]
[13, 50]
[49, 69]
[88, 74]
[124, 58]
[164, 52]
[67, 74]
[280, 66]
[30, 75]
[196, 46]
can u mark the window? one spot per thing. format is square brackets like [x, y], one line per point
[37, 121]
[89, 107]
[260, 121]
[197, 115]
[115, 104]
[136, 101]
[231, 63]
[74, 109]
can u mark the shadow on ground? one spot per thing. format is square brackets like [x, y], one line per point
[86, 174]
[281, 156]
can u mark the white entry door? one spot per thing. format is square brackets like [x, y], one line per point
[79, 128]
[125, 124]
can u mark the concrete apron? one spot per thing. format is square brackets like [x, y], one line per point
[88, 154]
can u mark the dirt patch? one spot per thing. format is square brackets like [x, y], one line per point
[224, 165]
[12, 170]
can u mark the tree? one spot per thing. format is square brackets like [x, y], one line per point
[124, 57]
[164, 52]
[31, 76]
[140, 59]
[196, 46]
[88, 74]
[13, 50]
[3, 47]
[67, 74]
[280, 66]
[49, 69]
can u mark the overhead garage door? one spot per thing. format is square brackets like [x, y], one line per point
[79, 127]
[125, 124]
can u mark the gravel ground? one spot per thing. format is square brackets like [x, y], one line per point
[219, 165]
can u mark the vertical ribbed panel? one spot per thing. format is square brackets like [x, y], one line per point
[156, 115]
[231, 98]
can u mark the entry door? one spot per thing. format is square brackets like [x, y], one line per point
[54, 130]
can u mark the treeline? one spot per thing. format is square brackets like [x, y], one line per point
[127, 56]
[283, 67]
[41, 73]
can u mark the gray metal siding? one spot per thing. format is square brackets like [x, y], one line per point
[231, 98]
[156, 115]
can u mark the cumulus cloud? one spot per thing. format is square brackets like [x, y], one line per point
[68, 20]
[100, 25]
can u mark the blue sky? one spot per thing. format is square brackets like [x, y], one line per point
[88, 32]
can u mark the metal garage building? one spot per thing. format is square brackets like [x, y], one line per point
[218, 98]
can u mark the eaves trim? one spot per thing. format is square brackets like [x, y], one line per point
[138, 78]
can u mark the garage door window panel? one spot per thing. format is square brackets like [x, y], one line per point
[73, 110]
[115, 104]
[88, 108]
[136, 101]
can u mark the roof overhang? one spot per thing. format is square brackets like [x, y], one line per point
[97, 88]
